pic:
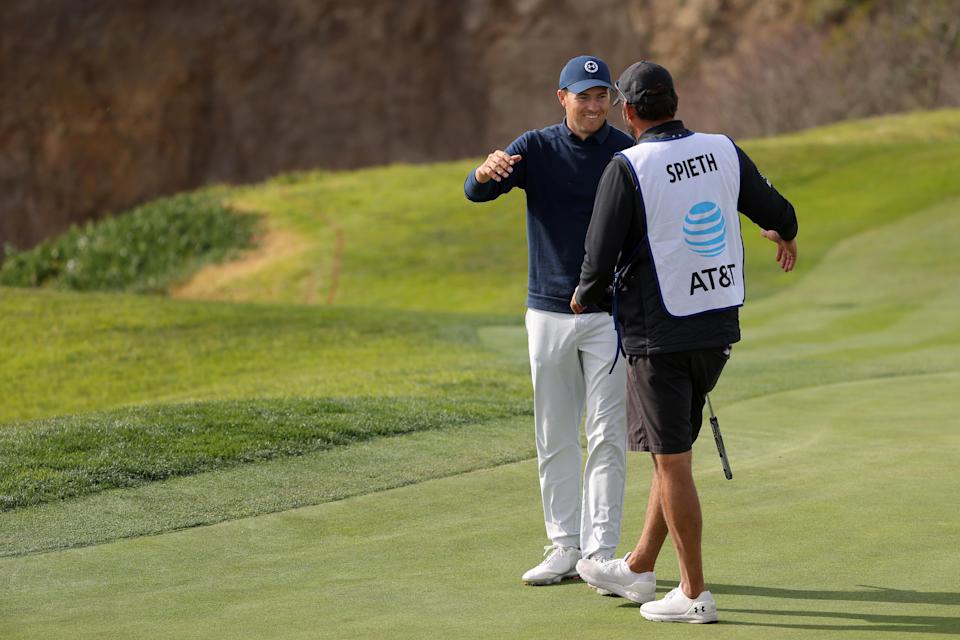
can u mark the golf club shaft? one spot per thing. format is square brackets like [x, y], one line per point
[721, 449]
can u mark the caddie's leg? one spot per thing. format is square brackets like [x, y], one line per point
[605, 470]
[645, 553]
[681, 510]
[558, 390]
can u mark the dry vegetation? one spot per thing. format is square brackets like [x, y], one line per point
[853, 61]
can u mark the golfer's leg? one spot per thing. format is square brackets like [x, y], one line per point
[645, 554]
[605, 471]
[557, 410]
[681, 510]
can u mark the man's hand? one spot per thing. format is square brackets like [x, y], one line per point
[575, 306]
[497, 166]
[786, 249]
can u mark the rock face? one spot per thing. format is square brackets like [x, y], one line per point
[106, 104]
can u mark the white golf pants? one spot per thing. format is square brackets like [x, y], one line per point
[570, 356]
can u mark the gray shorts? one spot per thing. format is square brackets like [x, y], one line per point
[665, 397]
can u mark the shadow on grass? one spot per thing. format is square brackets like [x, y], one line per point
[869, 594]
[869, 620]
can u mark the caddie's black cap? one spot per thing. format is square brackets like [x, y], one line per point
[644, 78]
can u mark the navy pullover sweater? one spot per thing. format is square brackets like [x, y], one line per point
[559, 173]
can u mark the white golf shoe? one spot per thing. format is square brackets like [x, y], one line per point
[677, 607]
[558, 563]
[616, 577]
[599, 591]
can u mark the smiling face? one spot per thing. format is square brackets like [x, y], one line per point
[586, 111]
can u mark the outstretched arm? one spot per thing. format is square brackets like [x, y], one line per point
[501, 171]
[786, 249]
[773, 213]
[497, 166]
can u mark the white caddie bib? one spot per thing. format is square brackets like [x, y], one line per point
[689, 187]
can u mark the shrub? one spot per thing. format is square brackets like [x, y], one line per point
[144, 250]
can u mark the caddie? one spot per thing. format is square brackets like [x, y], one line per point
[558, 167]
[665, 227]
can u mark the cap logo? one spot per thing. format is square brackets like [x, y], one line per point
[591, 66]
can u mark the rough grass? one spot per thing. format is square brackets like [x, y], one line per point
[272, 486]
[71, 456]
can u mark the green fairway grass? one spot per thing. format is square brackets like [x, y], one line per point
[78, 455]
[267, 487]
[67, 353]
[829, 526]
[410, 240]
[839, 411]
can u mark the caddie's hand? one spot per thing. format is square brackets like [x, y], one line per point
[575, 306]
[786, 249]
[497, 166]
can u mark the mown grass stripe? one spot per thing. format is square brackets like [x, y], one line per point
[276, 485]
[72, 456]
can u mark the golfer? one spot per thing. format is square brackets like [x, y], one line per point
[665, 220]
[558, 167]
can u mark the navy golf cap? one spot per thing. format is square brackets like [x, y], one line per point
[644, 78]
[585, 72]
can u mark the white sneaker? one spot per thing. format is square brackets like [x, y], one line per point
[615, 576]
[677, 607]
[558, 563]
[602, 592]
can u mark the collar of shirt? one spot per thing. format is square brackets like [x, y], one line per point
[595, 138]
[665, 131]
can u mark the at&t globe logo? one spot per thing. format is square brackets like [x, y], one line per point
[704, 229]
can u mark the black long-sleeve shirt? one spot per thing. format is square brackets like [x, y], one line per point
[618, 226]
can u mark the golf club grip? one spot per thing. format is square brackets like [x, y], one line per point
[722, 450]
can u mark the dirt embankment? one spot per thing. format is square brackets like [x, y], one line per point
[106, 104]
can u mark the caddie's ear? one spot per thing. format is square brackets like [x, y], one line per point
[561, 94]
